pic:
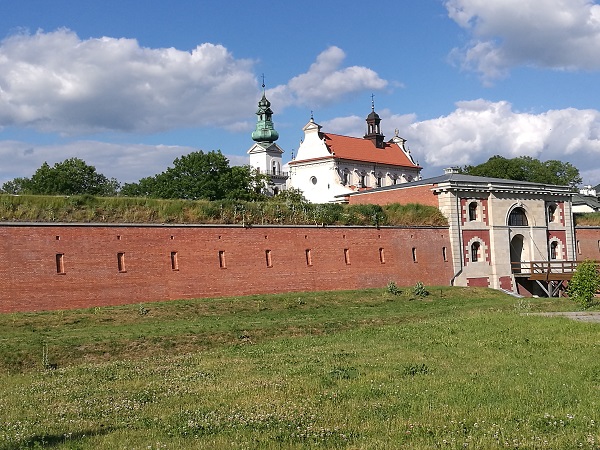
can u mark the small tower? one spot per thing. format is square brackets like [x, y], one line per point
[265, 132]
[373, 127]
[265, 154]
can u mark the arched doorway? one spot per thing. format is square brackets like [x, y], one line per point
[516, 252]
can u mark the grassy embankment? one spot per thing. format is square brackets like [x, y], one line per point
[588, 219]
[461, 368]
[29, 208]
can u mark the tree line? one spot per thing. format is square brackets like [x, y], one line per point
[208, 175]
[197, 175]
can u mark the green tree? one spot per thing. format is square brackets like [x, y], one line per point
[526, 168]
[69, 177]
[585, 283]
[200, 175]
[16, 186]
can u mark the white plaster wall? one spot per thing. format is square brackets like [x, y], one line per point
[327, 181]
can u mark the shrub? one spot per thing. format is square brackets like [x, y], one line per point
[393, 289]
[585, 283]
[419, 290]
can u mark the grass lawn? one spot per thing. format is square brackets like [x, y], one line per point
[460, 368]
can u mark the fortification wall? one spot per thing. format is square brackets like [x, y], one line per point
[587, 243]
[48, 267]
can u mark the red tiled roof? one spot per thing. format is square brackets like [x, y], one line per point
[360, 149]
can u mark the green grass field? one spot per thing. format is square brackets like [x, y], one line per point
[460, 368]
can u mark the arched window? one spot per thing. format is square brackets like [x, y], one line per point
[345, 178]
[517, 218]
[553, 250]
[472, 211]
[551, 213]
[475, 247]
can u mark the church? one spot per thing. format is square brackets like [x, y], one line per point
[329, 165]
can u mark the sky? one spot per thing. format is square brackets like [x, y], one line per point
[130, 85]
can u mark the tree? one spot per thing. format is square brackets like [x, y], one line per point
[69, 177]
[526, 168]
[585, 283]
[200, 175]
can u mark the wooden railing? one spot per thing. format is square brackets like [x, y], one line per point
[545, 270]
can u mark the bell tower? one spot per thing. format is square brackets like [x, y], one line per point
[265, 154]
[373, 127]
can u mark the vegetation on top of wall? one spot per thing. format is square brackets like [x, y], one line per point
[587, 219]
[277, 211]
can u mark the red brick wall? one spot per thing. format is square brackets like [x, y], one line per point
[561, 236]
[481, 235]
[506, 283]
[588, 243]
[29, 280]
[416, 194]
[478, 282]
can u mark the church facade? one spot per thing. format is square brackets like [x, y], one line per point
[329, 165]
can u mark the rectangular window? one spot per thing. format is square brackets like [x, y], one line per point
[444, 254]
[268, 258]
[121, 262]
[222, 259]
[347, 256]
[308, 257]
[414, 254]
[174, 262]
[381, 256]
[60, 263]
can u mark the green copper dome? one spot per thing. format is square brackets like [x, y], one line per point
[265, 132]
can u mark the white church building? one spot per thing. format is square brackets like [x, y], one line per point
[329, 165]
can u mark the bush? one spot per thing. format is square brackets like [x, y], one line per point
[585, 283]
[419, 290]
[393, 289]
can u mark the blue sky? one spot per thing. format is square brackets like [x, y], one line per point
[128, 86]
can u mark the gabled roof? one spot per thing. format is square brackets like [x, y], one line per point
[360, 149]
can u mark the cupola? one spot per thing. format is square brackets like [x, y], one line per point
[373, 127]
[264, 132]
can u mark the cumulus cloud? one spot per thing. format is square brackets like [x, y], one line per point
[56, 82]
[326, 82]
[479, 129]
[558, 34]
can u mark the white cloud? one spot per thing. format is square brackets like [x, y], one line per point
[125, 162]
[56, 82]
[558, 34]
[479, 129]
[326, 82]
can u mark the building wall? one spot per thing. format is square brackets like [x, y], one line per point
[47, 266]
[588, 243]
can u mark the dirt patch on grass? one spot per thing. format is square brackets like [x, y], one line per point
[582, 316]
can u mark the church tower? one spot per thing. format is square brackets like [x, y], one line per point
[373, 127]
[265, 154]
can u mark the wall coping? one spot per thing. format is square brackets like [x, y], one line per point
[205, 225]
